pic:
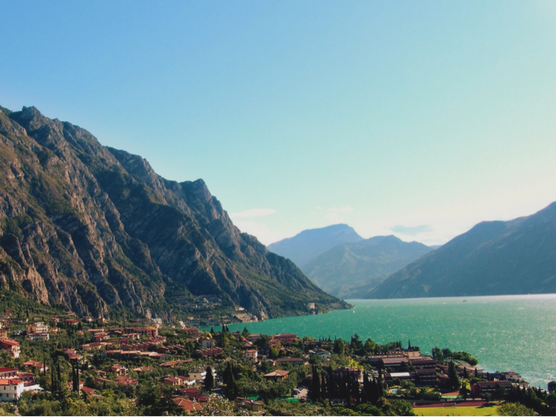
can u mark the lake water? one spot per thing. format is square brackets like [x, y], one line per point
[516, 333]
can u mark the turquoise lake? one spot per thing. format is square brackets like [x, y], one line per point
[506, 333]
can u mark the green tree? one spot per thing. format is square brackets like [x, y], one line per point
[514, 409]
[209, 380]
[453, 377]
[339, 347]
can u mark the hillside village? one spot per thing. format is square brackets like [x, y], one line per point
[82, 365]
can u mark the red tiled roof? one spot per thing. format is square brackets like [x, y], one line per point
[186, 404]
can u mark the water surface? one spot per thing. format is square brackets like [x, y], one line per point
[515, 333]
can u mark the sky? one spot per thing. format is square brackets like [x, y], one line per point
[413, 118]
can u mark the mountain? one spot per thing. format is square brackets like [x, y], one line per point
[350, 269]
[96, 230]
[307, 245]
[493, 258]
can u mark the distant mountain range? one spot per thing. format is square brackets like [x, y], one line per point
[352, 269]
[307, 245]
[344, 264]
[493, 258]
[96, 230]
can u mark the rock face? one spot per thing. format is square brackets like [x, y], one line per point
[96, 229]
[351, 270]
[493, 258]
[307, 245]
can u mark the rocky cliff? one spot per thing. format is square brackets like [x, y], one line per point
[96, 229]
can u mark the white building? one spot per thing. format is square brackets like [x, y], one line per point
[11, 389]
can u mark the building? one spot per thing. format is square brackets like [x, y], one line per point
[207, 343]
[118, 369]
[293, 361]
[249, 404]
[425, 376]
[186, 404]
[422, 363]
[278, 374]
[251, 354]
[175, 381]
[11, 346]
[6, 373]
[286, 337]
[38, 327]
[322, 354]
[148, 331]
[71, 322]
[402, 376]
[489, 387]
[11, 389]
[41, 367]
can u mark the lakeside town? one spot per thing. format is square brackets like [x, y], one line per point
[69, 365]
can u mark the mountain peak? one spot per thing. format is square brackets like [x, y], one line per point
[308, 244]
[96, 230]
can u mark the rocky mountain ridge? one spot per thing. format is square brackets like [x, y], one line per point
[351, 270]
[493, 258]
[95, 229]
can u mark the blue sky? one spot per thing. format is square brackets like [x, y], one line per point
[413, 118]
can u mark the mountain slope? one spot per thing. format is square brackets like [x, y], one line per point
[493, 258]
[347, 269]
[95, 229]
[307, 245]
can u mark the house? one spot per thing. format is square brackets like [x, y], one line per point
[175, 381]
[148, 331]
[71, 322]
[193, 394]
[125, 380]
[89, 392]
[393, 363]
[100, 337]
[207, 343]
[93, 346]
[11, 346]
[249, 404]
[41, 367]
[38, 327]
[118, 369]
[486, 387]
[199, 374]
[11, 389]
[188, 405]
[286, 337]
[293, 361]
[192, 332]
[211, 352]
[278, 374]
[425, 376]
[422, 363]
[322, 354]
[72, 354]
[3, 334]
[27, 377]
[37, 336]
[251, 354]
[173, 364]
[8, 373]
